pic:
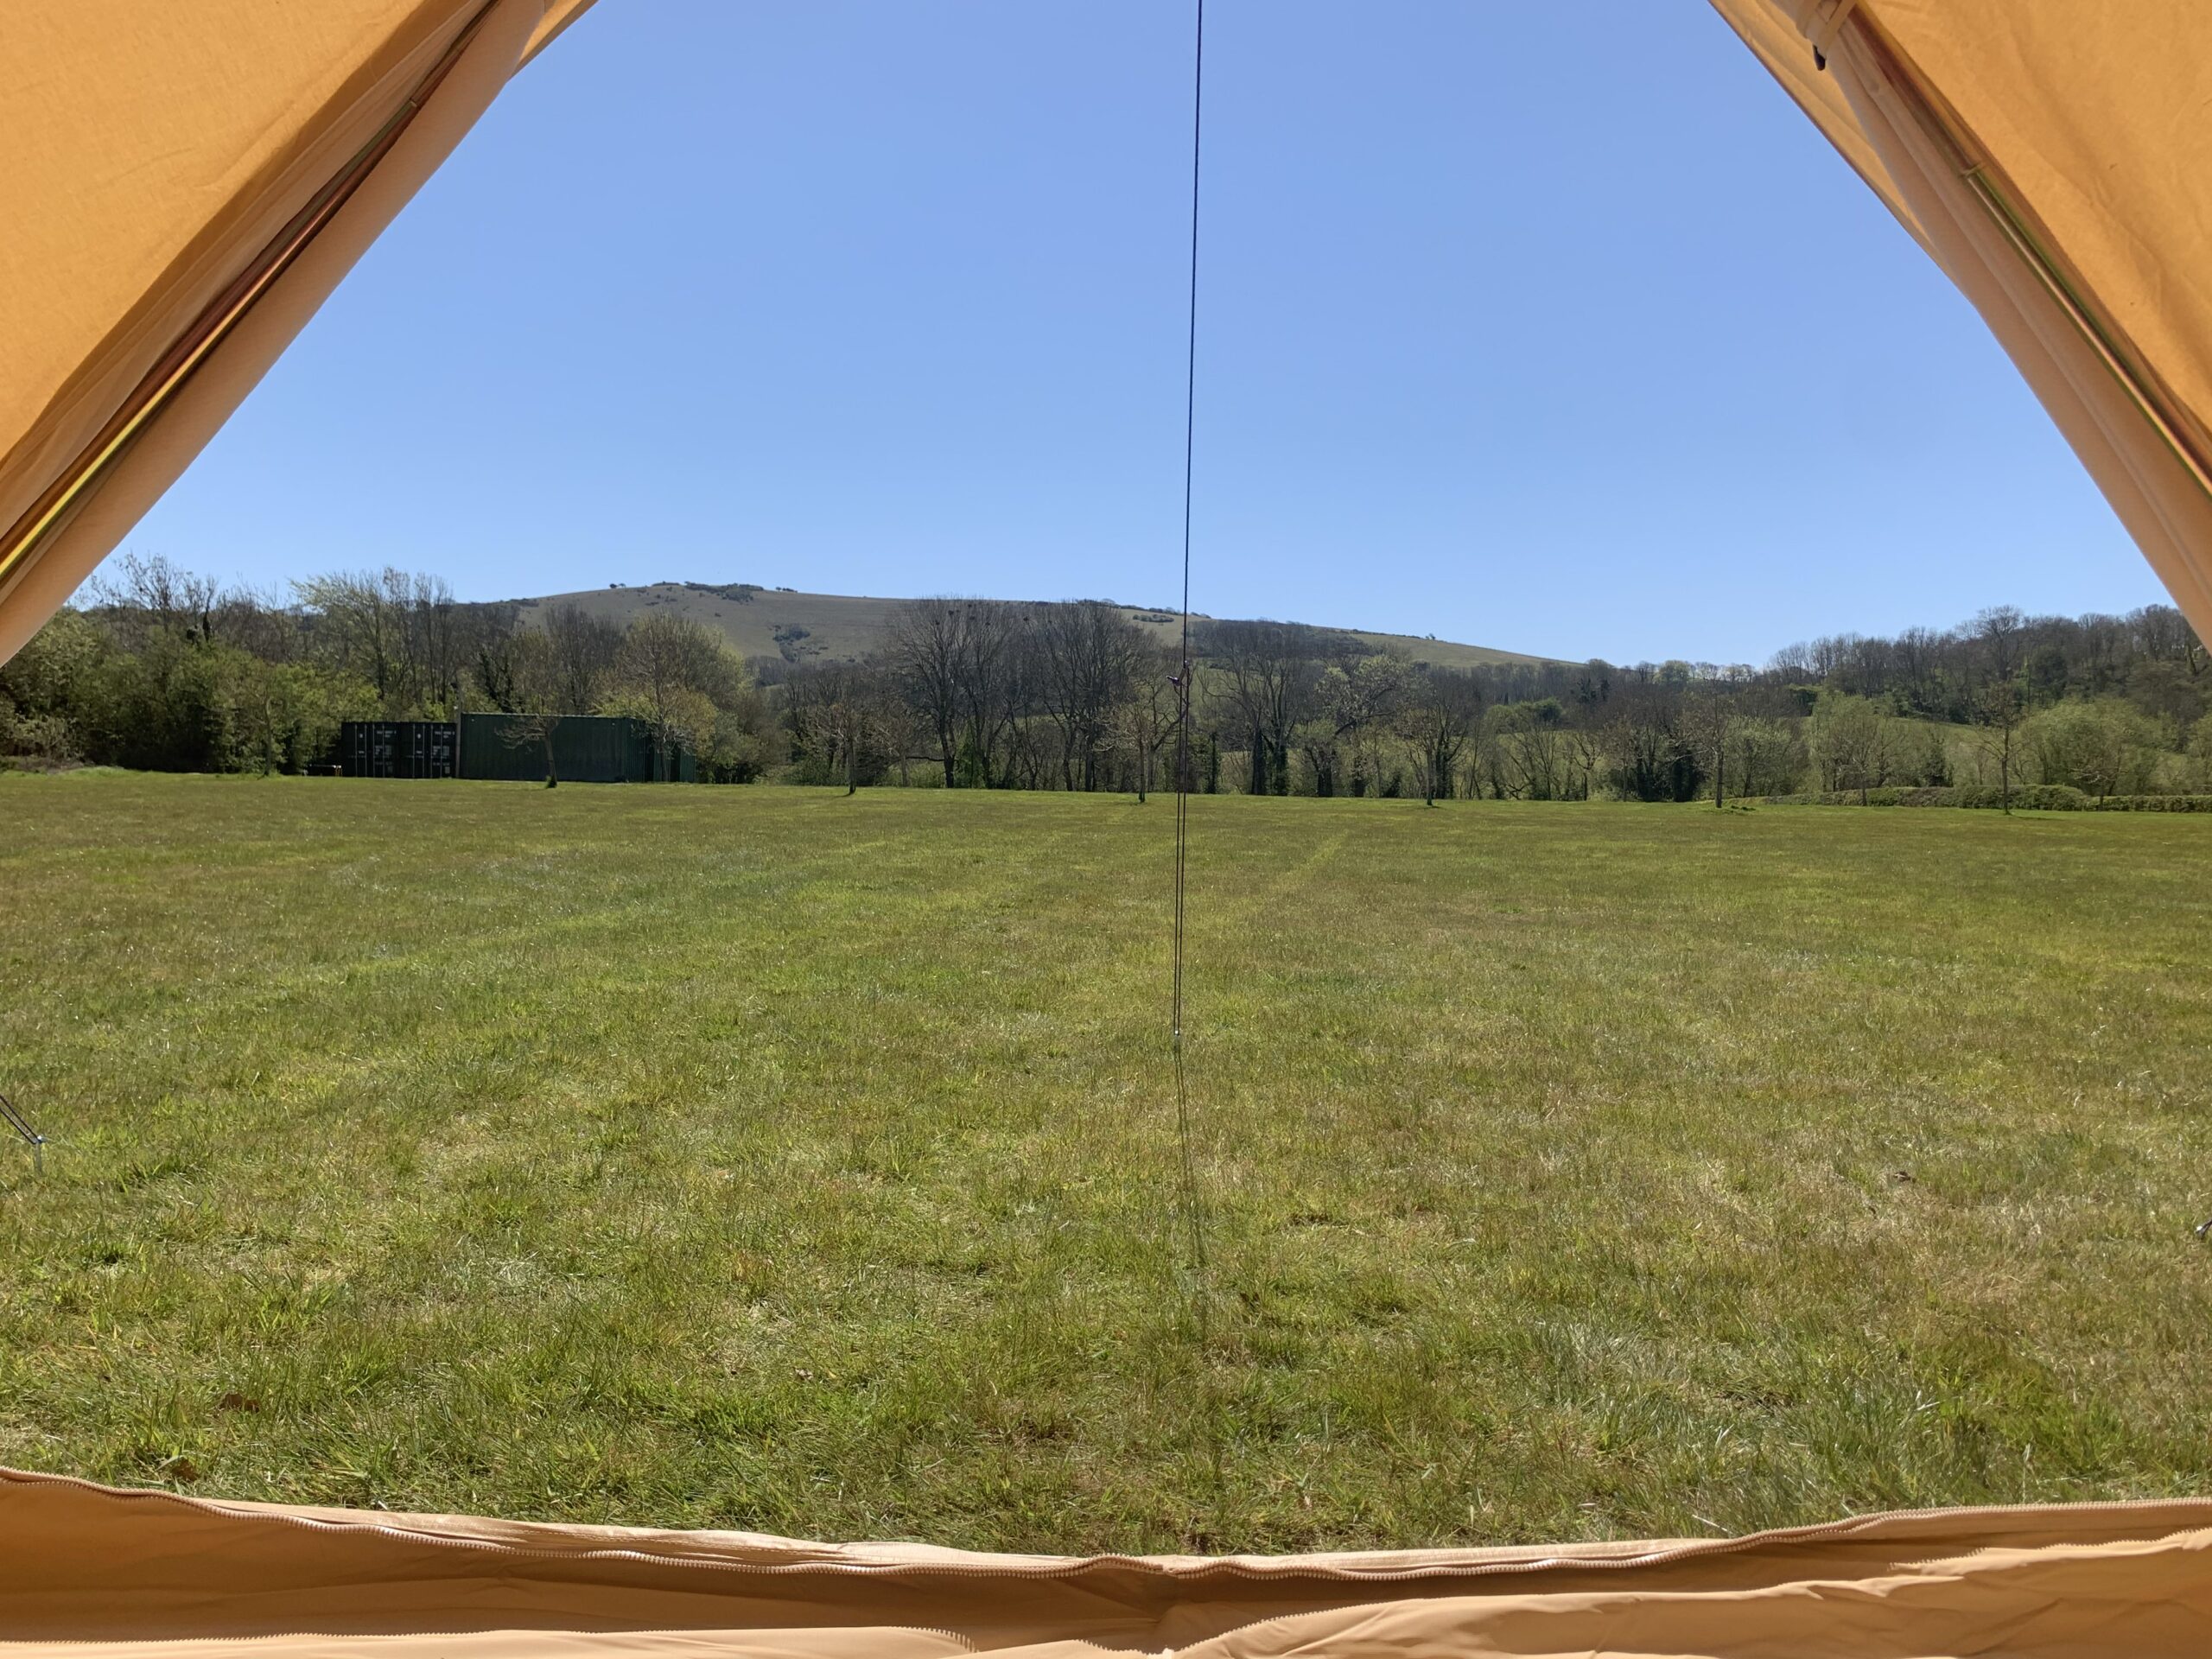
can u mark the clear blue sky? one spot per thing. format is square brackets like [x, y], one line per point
[1548, 326]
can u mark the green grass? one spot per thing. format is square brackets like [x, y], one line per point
[764, 1159]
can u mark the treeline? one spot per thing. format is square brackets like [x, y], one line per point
[165, 669]
[985, 694]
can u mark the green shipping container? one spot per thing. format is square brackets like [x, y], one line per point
[584, 749]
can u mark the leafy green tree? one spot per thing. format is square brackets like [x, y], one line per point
[44, 687]
[1913, 753]
[2102, 749]
[674, 673]
[1362, 698]
[1765, 756]
[2199, 756]
[1847, 736]
[400, 631]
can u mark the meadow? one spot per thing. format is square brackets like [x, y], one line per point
[762, 1158]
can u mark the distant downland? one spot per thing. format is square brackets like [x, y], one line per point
[777, 622]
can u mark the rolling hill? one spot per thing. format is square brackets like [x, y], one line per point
[842, 627]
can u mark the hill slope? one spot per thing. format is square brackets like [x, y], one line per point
[842, 627]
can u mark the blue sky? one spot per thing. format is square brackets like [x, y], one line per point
[1548, 326]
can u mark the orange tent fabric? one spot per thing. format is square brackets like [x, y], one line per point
[185, 185]
[2053, 157]
[90, 1571]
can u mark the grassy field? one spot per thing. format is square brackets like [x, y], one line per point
[761, 1158]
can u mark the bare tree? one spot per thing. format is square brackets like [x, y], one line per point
[1999, 711]
[514, 673]
[966, 667]
[991, 674]
[662, 658]
[153, 595]
[534, 730]
[2164, 633]
[1088, 654]
[899, 728]
[2002, 632]
[260, 623]
[1144, 722]
[1918, 653]
[582, 648]
[923, 654]
[1529, 752]
[398, 631]
[1999, 707]
[1268, 675]
[1707, 719]
[1793, 662]
[435, 642]
[1439, 716]
[842, 715]
[1835, 654]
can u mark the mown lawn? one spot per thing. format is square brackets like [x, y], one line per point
[764, 1159]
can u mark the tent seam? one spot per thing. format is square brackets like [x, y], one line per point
[57, 504]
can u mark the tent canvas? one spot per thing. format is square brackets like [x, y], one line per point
[187, 183]
[114, 1572]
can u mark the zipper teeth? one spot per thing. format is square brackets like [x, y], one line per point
[1203, 1569]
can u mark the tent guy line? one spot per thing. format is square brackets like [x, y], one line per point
[1194, 1209]
[22, 1126]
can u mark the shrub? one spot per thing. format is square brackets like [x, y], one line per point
[2043, 797]
[1884, 796]
[2032, 798]
[2104, 747]
[37, 742]
[2153, 804]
